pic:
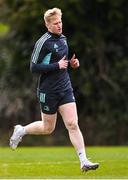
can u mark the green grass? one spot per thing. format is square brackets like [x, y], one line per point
[62, 162]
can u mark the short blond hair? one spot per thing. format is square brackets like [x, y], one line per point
[48, 15]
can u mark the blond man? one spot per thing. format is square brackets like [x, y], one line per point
[55, 93]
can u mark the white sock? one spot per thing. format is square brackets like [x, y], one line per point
[82, 156]
[24, 131]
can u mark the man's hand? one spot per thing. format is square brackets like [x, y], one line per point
[63, 63]
[74, 62]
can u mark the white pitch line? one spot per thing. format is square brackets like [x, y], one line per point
[39, 163]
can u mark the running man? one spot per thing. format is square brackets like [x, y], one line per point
[55, 93]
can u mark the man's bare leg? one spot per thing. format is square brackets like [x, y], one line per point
[46, 126]
[69, 114]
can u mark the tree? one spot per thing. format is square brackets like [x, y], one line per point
[97, 33]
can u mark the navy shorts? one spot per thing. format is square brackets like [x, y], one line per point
[50, 102]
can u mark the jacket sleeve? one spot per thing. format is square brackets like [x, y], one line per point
[43, 68]
[37, 64]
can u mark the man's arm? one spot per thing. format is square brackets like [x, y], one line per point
[43, 68]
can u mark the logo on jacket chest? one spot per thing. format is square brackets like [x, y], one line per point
[56, 47]
[62, 45]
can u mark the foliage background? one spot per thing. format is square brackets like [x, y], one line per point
[97, 32]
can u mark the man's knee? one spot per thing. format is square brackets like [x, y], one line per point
[49, 129]
[72, 125]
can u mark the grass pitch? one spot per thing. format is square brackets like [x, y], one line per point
[62, 163]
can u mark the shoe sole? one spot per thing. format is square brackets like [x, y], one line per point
[87, 168]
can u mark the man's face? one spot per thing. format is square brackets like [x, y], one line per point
[55, 25]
